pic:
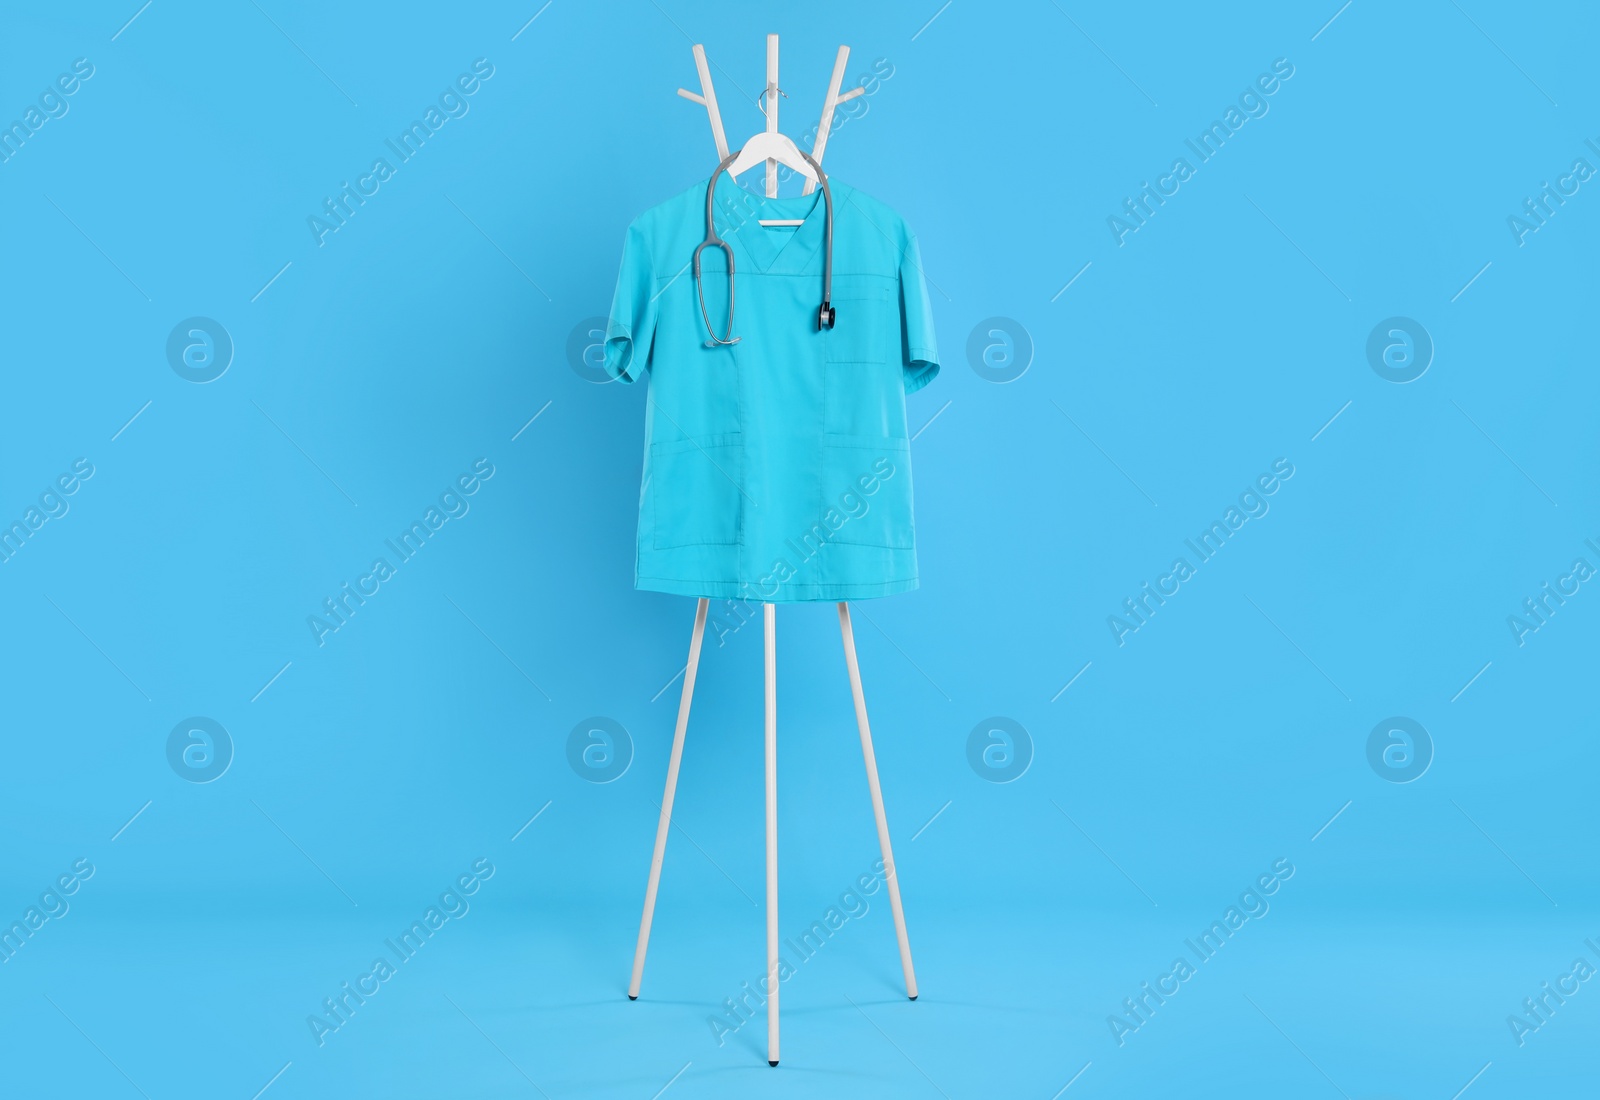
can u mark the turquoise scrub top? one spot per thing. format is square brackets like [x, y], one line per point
[777, 469]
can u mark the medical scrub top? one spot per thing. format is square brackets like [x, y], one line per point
[776, 469]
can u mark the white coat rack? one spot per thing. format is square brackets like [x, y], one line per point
[769, 106]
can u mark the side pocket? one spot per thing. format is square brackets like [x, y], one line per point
[866, 484]
[693, 486]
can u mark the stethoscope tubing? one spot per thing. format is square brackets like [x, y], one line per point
[825, 315]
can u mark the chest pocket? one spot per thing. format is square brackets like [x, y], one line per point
[866, 321]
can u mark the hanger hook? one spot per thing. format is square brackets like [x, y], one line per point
[764, 96]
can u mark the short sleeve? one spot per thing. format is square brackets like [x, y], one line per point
[631, 327]
[916, 318]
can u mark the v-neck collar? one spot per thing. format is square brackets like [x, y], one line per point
[775, 250]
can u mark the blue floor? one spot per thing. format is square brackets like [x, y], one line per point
[1023, 990]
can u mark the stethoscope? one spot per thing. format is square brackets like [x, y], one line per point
[825, 314]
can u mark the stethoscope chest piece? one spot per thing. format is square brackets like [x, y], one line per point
[825, 316]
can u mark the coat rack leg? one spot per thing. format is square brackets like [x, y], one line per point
[665, 821]
[877, 798]
[769, 621]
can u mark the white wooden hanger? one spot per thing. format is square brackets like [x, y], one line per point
[770, 146]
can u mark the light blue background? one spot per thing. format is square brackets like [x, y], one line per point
[1225, 734]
